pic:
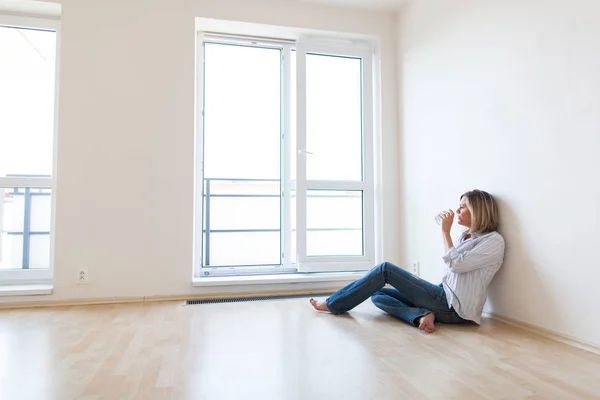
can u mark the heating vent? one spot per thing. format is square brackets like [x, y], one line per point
[261, 298]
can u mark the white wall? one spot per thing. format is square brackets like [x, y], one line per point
[126, 137]
[504, 95]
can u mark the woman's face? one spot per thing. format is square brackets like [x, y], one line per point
[463, 213]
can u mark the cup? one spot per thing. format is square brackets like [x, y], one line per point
[438, 219]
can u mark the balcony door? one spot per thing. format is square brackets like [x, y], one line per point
[284, 157]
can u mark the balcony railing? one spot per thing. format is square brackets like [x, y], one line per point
[270, 189]
[208, 195]
[28, 194]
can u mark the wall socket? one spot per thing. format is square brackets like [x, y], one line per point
[416, 268]
[82, 276]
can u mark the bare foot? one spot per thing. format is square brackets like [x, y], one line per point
[319, 305]
[426, 323]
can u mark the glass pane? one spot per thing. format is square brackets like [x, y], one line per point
[39, 252]
[41, 210]
[12, 251]
[245, 212]
[242, 145]
[333, 118]
[293, 120]
[14, 209]
[243, 204]
[294, 247]
[27, 64]
[334, 221]
[242, 112]
[293, 154]
[25, 216]
[243, 187]
[334, 243]
[244, 248]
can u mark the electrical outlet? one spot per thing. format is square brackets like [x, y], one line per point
[82, 276]
[416, 269]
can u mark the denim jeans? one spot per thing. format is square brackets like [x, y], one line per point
[410, 299]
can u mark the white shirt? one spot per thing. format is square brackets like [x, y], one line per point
[470, 267]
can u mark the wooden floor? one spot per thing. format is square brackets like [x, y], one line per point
[276, 350]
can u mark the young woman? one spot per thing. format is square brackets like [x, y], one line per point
[470, 266]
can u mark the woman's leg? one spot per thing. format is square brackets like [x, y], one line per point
[394, 303]
[400, 310]
[413, 289]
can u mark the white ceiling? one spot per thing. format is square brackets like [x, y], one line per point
[379, 5]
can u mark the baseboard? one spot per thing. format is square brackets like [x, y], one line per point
[547, 333]
[69, 303]
[154, 299]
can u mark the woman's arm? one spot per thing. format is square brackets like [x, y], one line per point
[447, 220]
[447, 241]
[488, 251]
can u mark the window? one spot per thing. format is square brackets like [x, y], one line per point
[28, 59]
[284, 156]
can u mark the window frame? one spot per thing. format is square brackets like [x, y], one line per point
[37, 276]
[290, 263]
[366, 185]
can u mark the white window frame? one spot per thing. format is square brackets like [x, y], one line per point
[33, 276]
[292, 263]
[286, 267]
[366, 186]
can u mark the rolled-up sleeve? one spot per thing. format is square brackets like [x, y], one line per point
[465, 258]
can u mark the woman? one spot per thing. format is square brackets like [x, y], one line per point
[470, 267]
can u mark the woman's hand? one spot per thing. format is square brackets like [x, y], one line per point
[447, 220]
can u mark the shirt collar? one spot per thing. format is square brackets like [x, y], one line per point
[474, 235]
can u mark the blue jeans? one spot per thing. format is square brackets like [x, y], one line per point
[411, 298]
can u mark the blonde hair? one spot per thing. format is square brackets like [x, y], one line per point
[484, 211]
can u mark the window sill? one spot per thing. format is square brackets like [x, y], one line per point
[26, 290]
[278, 278]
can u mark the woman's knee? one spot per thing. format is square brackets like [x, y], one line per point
[386, 266]
[380, 269]
[378, 293]
[378, 298]
[382, 297]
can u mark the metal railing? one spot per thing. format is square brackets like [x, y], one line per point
[207, 221]
[207, 208]
[26, 232]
